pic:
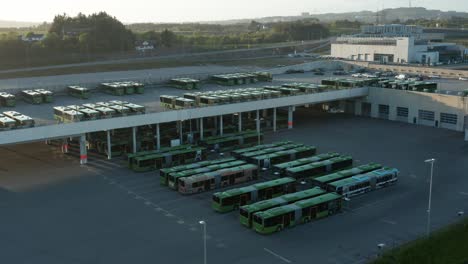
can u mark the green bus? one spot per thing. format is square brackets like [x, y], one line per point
[165, 172]
[316, 169]
[281, 168]
[31, 97]
[185, 83]
[113, 88]
[173, 178]
[279, 218]
[263, 76]
[47, 96]
[217, 179]
[231, 199]
[171, 158]
[268, 160]
[7, 100]
[246, 212]
[131, 156]
[6, 122]
[229, 143]
[237, 153]
[79, 92]
[250, 156]
[343, 174]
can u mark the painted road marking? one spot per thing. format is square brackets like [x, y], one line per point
[390, 222]
[413, 176]
[463, 193]
[278, 256]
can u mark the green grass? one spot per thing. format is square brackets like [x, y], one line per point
[446, 246]
[156, 64]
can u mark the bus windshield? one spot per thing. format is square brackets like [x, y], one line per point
[244, 212]
[257, 219]
[215, 198]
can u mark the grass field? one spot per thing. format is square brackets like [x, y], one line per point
[446, 246]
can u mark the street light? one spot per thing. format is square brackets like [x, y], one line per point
[203, 223]
[428, 230]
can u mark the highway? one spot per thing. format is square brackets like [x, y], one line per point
[56, 211]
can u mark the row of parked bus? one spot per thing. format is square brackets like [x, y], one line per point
[12, 120]
[185, 83]
[200, 99]
[37, 96]
[123, 88]
[241, 78]
[100, 110]
[419, 86]
[271, 206]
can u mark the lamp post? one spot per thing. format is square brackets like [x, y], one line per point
[203, 223]
[428, 230]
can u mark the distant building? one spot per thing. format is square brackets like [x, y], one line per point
[32, 37]
[395, 44]
[305, 14]
[144, 46]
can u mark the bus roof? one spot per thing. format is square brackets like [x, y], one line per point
[260, 147]
[257, 186]
[284, 152]
[217, 172]
[209, 168]
[283, 199]
[347, 173]
[362, 177]
[317, 164]
[196, 165]
[298, 205]
[306, 160]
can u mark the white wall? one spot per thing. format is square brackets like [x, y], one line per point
[415, 101]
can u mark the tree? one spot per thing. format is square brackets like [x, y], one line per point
[167, 38]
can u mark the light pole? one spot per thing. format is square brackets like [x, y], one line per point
[203, 223]
[428, 230]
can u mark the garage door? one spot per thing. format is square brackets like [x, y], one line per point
[384, 111]
[426, 117]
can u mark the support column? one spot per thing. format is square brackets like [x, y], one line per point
[109, 146]
[134, 139]
[201, 128]
[357, 108]
[274, 119]
[240, 122]
[221, 125]
[158, 138]
[216, 125]
[181, 135]
[65, 145]
[258, 121]
[83, 150]
[290, 117]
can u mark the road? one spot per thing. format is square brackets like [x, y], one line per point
[321, 43]
[56, 211]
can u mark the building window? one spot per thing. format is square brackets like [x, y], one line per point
[448, 118]
[384, 109]
[426, 115]
[402, 111]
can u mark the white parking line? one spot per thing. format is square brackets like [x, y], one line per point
[390, 222]
[463, 193]
[278, 256]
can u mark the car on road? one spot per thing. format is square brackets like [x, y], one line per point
[463, 79]
[434, 76]
[401, 77]
[290, 71]
[339, 73]
[319, 73]
[356, 75]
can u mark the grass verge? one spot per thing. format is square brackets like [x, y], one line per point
[446, 246]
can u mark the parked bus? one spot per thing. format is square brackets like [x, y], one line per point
[268, 160]
[232, 199]
[67, 115]
[113, 88]
[119, 109]
[182, 103]
[282, 167]
[168, 101]
[79, 92]
[31, 97]
[246, 212]
[104, 112]
[88, 114]
[174, 178]
[131, 156]
[279, 218]
[47, 96]
[250, 156]
[363, 183]
[165, 172]
[6, 122]
[343, 174]
[137, 109]
[228, 143]
[163, 160]
[316, 169]
[216, 179]
[237, 153]
[185, 83]
[20, 119]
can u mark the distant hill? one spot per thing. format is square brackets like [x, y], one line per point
[16, 24]
[384, 16]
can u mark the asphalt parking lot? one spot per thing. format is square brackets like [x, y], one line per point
[55, 211]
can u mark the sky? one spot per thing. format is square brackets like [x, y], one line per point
[130, 11]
